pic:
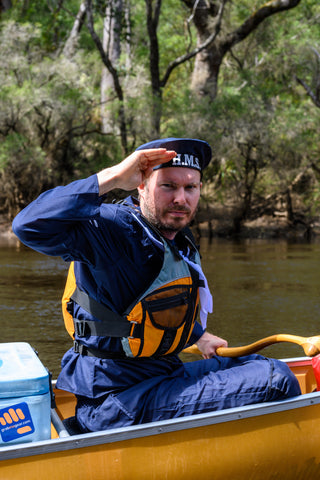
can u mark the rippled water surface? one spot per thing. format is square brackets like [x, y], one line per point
[260, 288]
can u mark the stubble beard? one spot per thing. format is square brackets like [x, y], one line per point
[166, 228]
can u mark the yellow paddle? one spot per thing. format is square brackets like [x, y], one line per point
[310, 345]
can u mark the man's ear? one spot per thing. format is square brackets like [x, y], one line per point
[141, 189]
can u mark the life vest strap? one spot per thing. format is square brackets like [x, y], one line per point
[109, 328]
[93, 352]
[111, 325]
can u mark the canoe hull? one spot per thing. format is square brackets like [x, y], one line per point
[267, 441]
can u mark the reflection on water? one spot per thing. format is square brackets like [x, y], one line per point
[260, 288]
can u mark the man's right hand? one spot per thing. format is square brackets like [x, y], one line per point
[133, 170]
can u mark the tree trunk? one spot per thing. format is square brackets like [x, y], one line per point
[121, 121]
[127, 21]
[207, 16]
[313, 91]
[72, 41]
[207, 19]
[112, 46]
[206, 72]
[152, 25]
[5, 5]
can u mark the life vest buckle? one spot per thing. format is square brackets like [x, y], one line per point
[79, 328]
[133, 323]
[77, 347]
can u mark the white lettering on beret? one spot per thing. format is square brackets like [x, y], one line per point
[186, 160]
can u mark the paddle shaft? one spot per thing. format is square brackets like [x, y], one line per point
[310, 345]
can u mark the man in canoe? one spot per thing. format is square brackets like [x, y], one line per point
[133, 292]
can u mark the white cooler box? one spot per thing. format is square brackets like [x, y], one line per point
[24, 395]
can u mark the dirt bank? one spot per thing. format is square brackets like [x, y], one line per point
[216, 221]
[225, 222]
[7, 237]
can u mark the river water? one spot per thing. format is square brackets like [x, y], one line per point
[259, 287]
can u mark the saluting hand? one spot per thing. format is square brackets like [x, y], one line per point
[133, 170]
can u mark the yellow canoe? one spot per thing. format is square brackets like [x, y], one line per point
[276, 440]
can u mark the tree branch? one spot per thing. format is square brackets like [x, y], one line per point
[178, 61]
[310, 93]
[267, 10]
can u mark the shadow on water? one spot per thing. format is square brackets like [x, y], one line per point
[259, 287]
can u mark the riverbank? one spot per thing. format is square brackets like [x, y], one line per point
[7, 237]
[220, 221]
[217, 221]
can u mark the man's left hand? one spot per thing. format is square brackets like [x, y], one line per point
[209, 343]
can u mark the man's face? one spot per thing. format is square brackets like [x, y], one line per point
[169, 198]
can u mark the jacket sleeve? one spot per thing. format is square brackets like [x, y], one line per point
[197, 332]
[46, 224]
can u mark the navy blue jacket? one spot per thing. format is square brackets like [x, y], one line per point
[115, 260]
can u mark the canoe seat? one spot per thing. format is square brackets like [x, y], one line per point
[72, 426]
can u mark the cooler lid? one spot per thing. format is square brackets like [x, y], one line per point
[21, 371]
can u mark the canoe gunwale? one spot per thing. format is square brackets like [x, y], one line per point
[156, 428]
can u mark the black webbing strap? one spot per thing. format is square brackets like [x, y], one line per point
[111, 324]
[93, 352]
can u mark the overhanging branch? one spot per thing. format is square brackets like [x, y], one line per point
[178, 61]
[267, 10]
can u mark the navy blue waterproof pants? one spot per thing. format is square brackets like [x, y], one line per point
[195, 387]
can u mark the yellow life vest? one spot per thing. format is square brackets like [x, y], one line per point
[66, 298]
[160, 322]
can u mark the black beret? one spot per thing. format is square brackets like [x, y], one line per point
[191, 152]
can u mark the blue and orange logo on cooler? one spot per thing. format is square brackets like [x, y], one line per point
[15, 422]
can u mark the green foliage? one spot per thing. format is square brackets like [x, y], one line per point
[20, 164]
[54, 19]
[262, 126]
[49, 118]
[16, 146]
